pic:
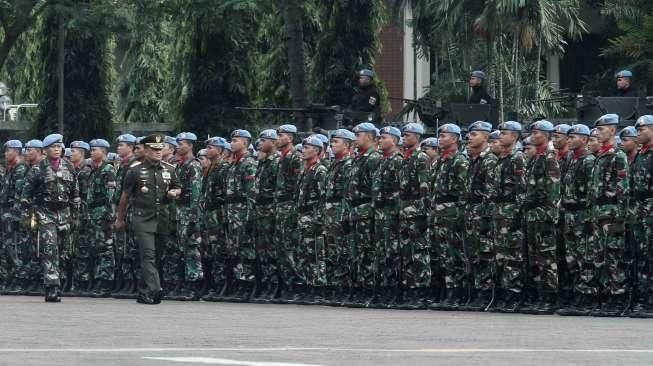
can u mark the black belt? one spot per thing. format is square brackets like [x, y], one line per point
[334, 199]
[235, 200]
[643, 195]
[445, 199]
[385, 203]
[575, 206]
[264, 200]
[607, 201]
[508, 199]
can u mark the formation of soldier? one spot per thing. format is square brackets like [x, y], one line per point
[549, 218]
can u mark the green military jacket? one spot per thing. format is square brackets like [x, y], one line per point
[542, 197]
[359, 192]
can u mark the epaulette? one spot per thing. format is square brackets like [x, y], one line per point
[136, 163]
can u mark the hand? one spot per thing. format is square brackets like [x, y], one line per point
[174, 193]
[119, 224]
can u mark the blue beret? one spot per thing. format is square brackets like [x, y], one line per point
[241, 133]
[542, 125]
[170, 140]
[527, 141]
[495, 135]
[112, 156]
[299, 147]
[80, 145]
[607, 120]
[510, 126]
[480, 126]
[414, 127]
[269, 134]
[324, 139]
[629, 131]
[126, 138]
[52, 139]
[389, 130]
[624, 74]
[594, 132]
[216, 141]
[645, 120]
[99, 143]
[67, 152]
[478, 74]
[14, 144]
[35, 144]
[227, 146]
[139, 140]
[430, 142]
[367, 72]
[186, 136]
[343, 134]
[287, 129]
[618, 141]
[202, 152]
[579, 129]
[449, 128]
[313, 140]
[562, 128]
[366, 127]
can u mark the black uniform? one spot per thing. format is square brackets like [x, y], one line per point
[480, 96]
[628, 92]
[367, 101]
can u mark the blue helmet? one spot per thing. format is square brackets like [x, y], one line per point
[480, 126]
[478, 74]
[288, 128]
[562, 128]
[268, 134]
[393, 131]
[186, 136]
[366, 72]
[449, 128]
[13, 144]
[645, 120]
[52, 139]
[579, 129]
[609, 119]
[343, 134]
[216, 141]
[80, 145]
[241, 133]
[430, 142]
[510, 126]
[34, 144]
[313, 140]
[629, 131]
[171, 141]
[366, 127]
[624, 74]
[99, 143]
[126, 138]
[495, 135]
[414, 127]
[542, 125]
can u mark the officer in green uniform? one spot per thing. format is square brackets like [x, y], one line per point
[150, 184]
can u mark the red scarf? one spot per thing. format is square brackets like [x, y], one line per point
[540, 150]
[285, 150]
[408, 153]
[341, 155]
[605, 148]
[238, 156]
[55, 163]
[310, 163]
[561, 154]
[645, 148]
[449, 153]
[12, 164]
[579, 153]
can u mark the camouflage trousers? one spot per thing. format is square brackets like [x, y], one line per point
[580, 253]
[611, 265]
[386, 234]
[542, 260]
[266, 254]
[190, 239]
[509, 260]
[16, 251]
[172, 265]
[311, 252]
[285, 241]
[55, 244]
[365, 254]
[126, 254]
[240, 241]
[478, 237]
[336, 239]
[447, 246]
[643, 237]
[414, 257]
[100, 235]
[216, 247]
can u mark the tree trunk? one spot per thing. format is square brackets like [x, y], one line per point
[517, 76]
[7, 44]
[293, 19]
[500, 53]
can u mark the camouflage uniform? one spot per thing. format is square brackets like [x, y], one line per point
[215, 222]
[79, 234]
[265, 186]
[565, 159]
[126, 252]
[15, 241]
[336, 224]
[310, 254]
[641, 214]
[189, 173]
[359, 196]
[171, 265]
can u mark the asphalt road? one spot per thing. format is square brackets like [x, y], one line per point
[82, 331]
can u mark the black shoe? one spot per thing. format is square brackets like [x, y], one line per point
[102, 289]
[613, 307]
[547, 306]
[191, 291]
[479, 302]
[643, 308]
[513, 302]
[175, 292]
[52, 294]
[144, 298]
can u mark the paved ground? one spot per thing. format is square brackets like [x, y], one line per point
[82, 331]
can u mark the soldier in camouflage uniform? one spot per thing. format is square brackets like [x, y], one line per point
[385, 191]
[413, 196]
[310, 254]
[478, 220]
[14, 243]
[449, 261]
[266, 284]
[506, 194]
[593, 144]
[189, 172]
[629, 143]
[564, 157]
[541, 205]
[364, 251]
[641, 214]
[171, 265]
[430, 148]
[33, 156]
[285, 232]
[55, 189]
[100, 218]
[336, 216]
[239, 199]
[580, 254]
[610, 189]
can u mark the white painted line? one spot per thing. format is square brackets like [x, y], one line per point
[224, 361]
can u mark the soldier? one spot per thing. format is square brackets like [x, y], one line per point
[385, 191]
[449, 262]
[529, 148]
[494, 143]
[310, 254]
[630, 145]
[336, 213]
[624, 84]
[479, 93]
[593, 144]
[564, 157]
[189, 172]
[366, 104]
[641, 212]
[100, 218]
[359, 196]
[610, 189]
[170, 150]
[54, 190]
[413, 254]
[150, 184]
[506, 193]
[430, 148]
[266, 281]
[33, 155]
[14, 242]
[239, 199]
[478, 218]
[285, 231]
[579, 254]
[139, 148]
[126, 252]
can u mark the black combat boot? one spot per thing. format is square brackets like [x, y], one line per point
[513, 302]
[52, 294]
[102, 289]
[548, 305]
[175, 292]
